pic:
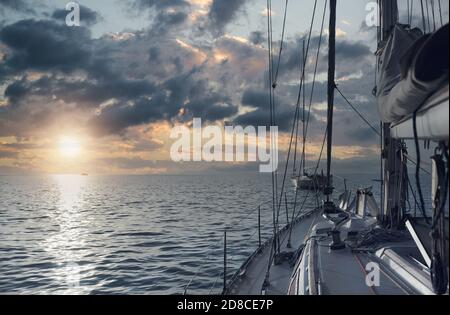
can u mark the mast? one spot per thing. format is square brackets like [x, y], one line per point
[331, 87]
[389, 17]
[303, 162]
[392, 149]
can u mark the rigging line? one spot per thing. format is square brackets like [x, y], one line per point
[315, 174]
[297, 112]
[294, 217]
[412, 192]
[302, 162]
[315, 74]
[273, 249]
[200, 267]
[281, 44]
[433, 14]
[307, 51]
[357, 112]
[211, 247]
[415, 163]
[440, 12]
[301, 92]
[378, 26]
[275, 173]
[316, 66]
[382, 183]
[411, 11]
[423, 17]
[301, 81]
[269, 43]
[419, 187]
[273, 118]
[229, 281]
[305, 58]
[232, 257]
[215, 283]
[428, 15]
[297, 122]
[408, 12]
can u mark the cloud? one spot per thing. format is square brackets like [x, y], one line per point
[44, 45]
[351, 56]
[166, 15]
[160, 4]
[223, 12]
[56, 78]
[259, 116]
[126, 82]
[352, 50]
[165, 21]
[16, 5]
[257, 38]
[7, 154]
[88, 17]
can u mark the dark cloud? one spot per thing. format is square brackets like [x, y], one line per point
[223, 12]
[160, 4]
[166, 15]
[351, 56]
[214, 107]
[117, 117]
[352, 50]
[182, 93]
[44, 45]
[88, 17]
[259, 101]
[154, 88]
[164, 21]
[363, 134]
[257, 37]
[84, 93]
[15, 92]
[148, 77]
[255, 99]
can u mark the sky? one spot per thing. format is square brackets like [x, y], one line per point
[103, 98]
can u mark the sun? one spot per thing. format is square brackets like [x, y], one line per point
[69, 147]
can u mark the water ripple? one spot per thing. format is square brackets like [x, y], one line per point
[125, 235]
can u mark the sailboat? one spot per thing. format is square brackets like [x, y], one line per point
[310, 180]
[306, 178]
[358, 247]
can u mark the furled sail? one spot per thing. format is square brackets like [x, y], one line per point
[412, 67]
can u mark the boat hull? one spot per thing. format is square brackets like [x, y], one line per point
[317, 182]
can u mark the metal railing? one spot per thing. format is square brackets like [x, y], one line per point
[264, 233]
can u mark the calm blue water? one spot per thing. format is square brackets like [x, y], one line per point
[128, 234]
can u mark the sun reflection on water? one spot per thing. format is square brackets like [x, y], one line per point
[68, 245]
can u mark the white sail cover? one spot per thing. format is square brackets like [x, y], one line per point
[411, 68]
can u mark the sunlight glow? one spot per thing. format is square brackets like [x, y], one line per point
[69, 147]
